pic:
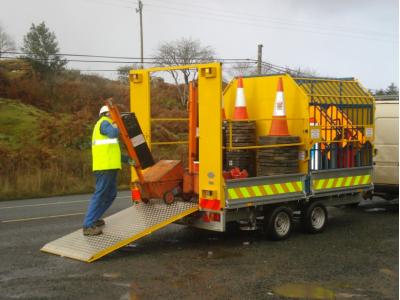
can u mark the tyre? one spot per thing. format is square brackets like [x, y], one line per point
[169, 197]
[315, 217]
[278, 223]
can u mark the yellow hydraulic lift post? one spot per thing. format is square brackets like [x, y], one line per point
[211, 192]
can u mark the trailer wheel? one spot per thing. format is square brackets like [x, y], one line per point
[169, 197]
[315, 217]
[278, 223]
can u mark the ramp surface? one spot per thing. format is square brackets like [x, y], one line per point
[121, 229]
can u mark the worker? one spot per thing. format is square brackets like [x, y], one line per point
[107, 158]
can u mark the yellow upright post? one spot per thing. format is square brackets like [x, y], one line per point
[140, 100]
[140, 105]
[211, 195]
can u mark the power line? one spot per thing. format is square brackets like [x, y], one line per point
[107, 3]
[259, 21]
[133, 59]
[152, 61]
[262, 23]
[236, 14]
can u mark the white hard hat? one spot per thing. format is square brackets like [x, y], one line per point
[103, 109]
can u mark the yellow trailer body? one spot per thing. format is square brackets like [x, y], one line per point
[332, 120]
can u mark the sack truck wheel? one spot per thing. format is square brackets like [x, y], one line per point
[278, 223]
[169, 197]
[315, 217]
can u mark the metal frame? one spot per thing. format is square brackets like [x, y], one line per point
[210, 132]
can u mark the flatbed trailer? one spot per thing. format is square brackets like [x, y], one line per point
[332, 118]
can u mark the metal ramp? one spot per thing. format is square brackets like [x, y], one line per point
[121, 229]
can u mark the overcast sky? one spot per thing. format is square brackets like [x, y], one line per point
[340, 38]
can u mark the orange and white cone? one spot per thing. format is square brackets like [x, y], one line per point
[240, 103]
[279, 125]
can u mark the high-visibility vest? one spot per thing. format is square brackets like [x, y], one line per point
[106, 153]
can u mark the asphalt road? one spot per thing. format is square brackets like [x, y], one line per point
[355, 258]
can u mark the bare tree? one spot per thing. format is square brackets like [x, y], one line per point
[6, 42]
[184, 51]
[241, 69]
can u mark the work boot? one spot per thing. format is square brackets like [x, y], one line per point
[92, 230]
[99, 223]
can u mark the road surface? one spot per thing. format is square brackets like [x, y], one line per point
[355, 258]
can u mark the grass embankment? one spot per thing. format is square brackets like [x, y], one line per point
[44, 154]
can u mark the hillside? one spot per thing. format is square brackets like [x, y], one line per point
[44, 154]
[20, 123]
[46, 125]
[45, 131]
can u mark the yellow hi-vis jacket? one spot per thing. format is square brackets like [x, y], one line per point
[106, 153]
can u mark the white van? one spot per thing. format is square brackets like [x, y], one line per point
[386, 159]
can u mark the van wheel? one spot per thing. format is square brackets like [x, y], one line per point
[315, 217]
[278, 223]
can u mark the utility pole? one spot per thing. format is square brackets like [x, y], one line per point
[140, 10]
[259, 59]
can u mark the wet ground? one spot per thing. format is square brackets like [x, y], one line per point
[355, 258]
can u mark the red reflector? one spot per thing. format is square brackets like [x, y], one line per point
[210, 204]
[206, 218]
[216, 217]
[135, 194]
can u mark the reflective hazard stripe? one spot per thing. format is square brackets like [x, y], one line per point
[232, 194]
[265, 190]
[105, 142]
[340, 182]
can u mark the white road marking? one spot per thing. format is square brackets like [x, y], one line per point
[42, 218]
[54, 203]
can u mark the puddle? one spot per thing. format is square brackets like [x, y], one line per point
[130, 247]
[76, 275]
[376, 209]
[129, 296]
[220, 254]
[347, 295]
[122, 284]
[388, 272]
[111, 275]
[303, 291]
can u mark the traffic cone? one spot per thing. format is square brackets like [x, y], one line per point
[279, 125]
[223, 115]
[135, 192]
[240, 103]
